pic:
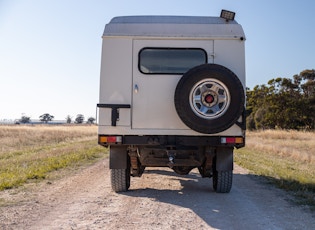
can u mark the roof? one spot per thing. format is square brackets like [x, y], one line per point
[173, 26]
[170, 19]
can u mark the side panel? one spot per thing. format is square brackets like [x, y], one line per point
[115, 79]
[231, 54]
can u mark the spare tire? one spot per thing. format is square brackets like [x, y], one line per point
[209, 98]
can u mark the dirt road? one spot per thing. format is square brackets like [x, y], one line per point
[160, 199]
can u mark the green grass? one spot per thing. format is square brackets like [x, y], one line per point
[286, 173]
[35, 162]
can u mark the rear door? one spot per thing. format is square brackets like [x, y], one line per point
[157, 67]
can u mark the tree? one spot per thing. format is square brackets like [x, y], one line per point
[68, 119]
[46, 117]
[308, 88]
[90, 120]
[25, 119]
[79, 119]
[283, 103]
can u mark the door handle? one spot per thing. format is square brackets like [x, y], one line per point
[136, 89]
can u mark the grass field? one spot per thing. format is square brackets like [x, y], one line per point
[286, 158]
[32, 152]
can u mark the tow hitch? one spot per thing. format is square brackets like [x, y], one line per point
[171, 158]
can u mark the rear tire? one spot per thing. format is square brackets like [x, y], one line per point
[222, 181]
[120, 180]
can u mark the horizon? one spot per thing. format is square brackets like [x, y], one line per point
[50, 52]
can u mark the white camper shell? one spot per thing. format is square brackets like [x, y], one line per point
[172, 94]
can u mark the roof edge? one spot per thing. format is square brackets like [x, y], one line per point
[165, 19]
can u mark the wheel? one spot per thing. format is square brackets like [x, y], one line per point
[120, 180]
[119, 164]
[209, 98]
[222, 181]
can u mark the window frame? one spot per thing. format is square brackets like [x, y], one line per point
[168, 48]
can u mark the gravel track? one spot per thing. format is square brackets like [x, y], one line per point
[160, 199]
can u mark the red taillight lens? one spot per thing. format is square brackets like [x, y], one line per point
[111, 139]
[230, 140]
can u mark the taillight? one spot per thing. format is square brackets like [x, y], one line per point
[232, 140]
[110, 139]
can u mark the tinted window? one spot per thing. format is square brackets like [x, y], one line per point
[170, 60]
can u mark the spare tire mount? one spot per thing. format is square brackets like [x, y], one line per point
[209, 98]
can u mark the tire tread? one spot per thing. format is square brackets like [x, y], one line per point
[222, 181]
[118, 180]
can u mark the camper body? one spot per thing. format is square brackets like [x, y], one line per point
[172, 95]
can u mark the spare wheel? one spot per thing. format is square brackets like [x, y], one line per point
[209, 98]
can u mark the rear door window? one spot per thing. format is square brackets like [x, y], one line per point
[170, 60]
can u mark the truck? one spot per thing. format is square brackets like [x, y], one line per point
[172, 94]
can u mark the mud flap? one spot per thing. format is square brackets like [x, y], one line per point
[118, 157]
[224, 159]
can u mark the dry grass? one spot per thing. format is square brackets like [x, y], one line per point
[31, 152]
[299, 146]
[287, 158]
[14, 138]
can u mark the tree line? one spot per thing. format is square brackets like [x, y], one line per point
[46, 118]
[283, 103]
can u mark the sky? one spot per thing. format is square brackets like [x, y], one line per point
[50, 51]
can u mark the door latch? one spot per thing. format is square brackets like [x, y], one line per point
[136, 89]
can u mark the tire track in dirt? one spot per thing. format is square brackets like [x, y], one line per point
[160, 199]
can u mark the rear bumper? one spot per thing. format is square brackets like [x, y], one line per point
[172, 140]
